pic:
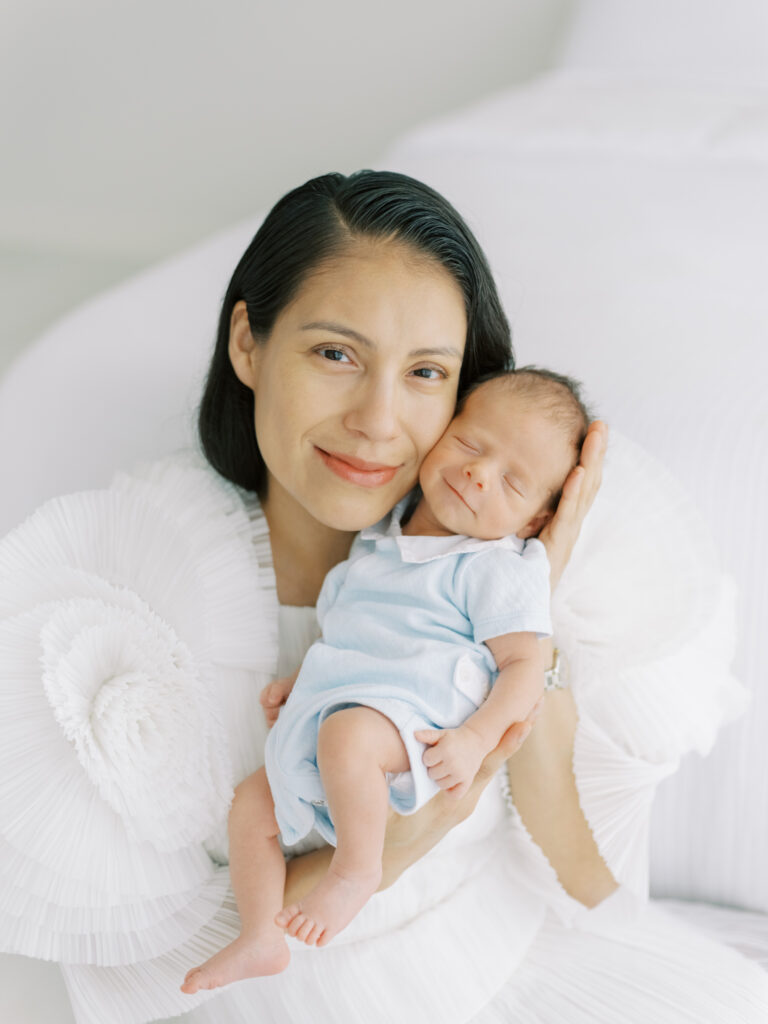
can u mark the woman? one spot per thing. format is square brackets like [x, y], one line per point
[360, 311]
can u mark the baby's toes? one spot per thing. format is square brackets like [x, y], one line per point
[189, 985]
[303, 932]
[294, 926]
[286, 915]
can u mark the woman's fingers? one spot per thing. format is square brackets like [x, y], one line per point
[562, 531]
[458, 791]
[276, 693]
[270, 695]
[591, 460]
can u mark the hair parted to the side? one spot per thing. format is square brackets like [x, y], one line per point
[312, 224]
[556, 395]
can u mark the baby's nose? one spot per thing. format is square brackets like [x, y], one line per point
[478, 479]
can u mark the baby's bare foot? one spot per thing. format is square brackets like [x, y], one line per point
[329, 907]
[243, 958]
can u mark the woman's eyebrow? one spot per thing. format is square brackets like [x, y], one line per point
[348, 332]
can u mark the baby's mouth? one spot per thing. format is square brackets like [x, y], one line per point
[460, 496]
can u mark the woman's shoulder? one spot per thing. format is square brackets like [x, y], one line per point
[170, 531]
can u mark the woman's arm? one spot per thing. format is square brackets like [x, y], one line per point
[541, 775]
[544, 791]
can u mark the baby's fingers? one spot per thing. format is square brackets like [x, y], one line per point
[428, 736]
[432, 757]
[441, 776]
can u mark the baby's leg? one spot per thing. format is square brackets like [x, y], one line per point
[257, 870]
[356, 746]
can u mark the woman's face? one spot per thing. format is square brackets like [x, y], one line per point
[356, 382]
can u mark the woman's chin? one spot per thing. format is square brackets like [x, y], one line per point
[352, 512]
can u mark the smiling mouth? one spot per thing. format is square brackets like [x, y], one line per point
[460, 497]
[357, 471]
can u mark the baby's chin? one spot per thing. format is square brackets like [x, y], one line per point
[495, 531]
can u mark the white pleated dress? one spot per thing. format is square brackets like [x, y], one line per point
[138, 625]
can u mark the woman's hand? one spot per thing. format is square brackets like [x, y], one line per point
[409, 837]
[561, 532]
[273, 696]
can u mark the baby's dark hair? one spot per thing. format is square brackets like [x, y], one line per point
[556, 395]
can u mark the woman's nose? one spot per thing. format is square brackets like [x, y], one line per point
[375, 412]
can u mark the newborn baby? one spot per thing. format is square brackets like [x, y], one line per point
[429, 653]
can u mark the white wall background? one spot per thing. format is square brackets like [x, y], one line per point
[132, 128]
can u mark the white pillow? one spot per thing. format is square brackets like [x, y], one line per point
[689, 40]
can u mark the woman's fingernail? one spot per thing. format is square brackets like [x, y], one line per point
[525, 733]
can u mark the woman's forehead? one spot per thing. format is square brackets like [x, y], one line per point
[380, 296]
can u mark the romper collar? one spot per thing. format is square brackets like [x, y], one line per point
[424, 549]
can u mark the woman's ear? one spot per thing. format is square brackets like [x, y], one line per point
[244, 350]
[536, 525]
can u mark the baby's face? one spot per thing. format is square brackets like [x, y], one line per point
[496, 467]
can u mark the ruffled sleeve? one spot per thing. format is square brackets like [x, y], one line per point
[126, 616]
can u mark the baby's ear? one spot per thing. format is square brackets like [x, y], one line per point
[536, 525]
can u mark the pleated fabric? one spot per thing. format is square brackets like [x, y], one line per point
[134, 623]
[137, 627]
[658, 969]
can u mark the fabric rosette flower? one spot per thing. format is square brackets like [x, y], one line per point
[122, 614]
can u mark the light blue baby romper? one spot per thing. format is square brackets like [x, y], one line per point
[403, 620]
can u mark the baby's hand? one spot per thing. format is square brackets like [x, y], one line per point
[453, 758]
[273, 697]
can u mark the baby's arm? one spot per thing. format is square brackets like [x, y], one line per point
[455, 755]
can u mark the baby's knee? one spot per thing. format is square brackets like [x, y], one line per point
[341, 727]
[253, 800]
[355, 733]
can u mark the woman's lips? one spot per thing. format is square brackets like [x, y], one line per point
[357, 471]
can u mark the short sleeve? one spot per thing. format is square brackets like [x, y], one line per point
[507, 592]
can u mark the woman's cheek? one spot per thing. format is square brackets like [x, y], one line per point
[430, 427]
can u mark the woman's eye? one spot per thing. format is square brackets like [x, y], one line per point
[333, 355]
[430, 373]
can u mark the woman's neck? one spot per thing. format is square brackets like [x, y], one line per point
[303, 550]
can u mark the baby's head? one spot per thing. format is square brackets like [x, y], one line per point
[500, 466]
